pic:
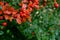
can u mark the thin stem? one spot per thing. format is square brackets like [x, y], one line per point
[55, 1]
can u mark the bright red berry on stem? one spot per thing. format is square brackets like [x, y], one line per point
[4, 24]
[56, 5]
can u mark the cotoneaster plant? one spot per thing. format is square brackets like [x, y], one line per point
[9, 13]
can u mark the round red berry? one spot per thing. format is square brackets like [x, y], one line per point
[4, 24]
[56, 5]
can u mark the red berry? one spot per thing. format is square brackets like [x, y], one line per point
[56, 5]
[1, 17]
[22, 14]
[4, 24]
[0, 12]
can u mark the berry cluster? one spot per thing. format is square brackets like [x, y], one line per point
[9, 13]
[27, 8]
